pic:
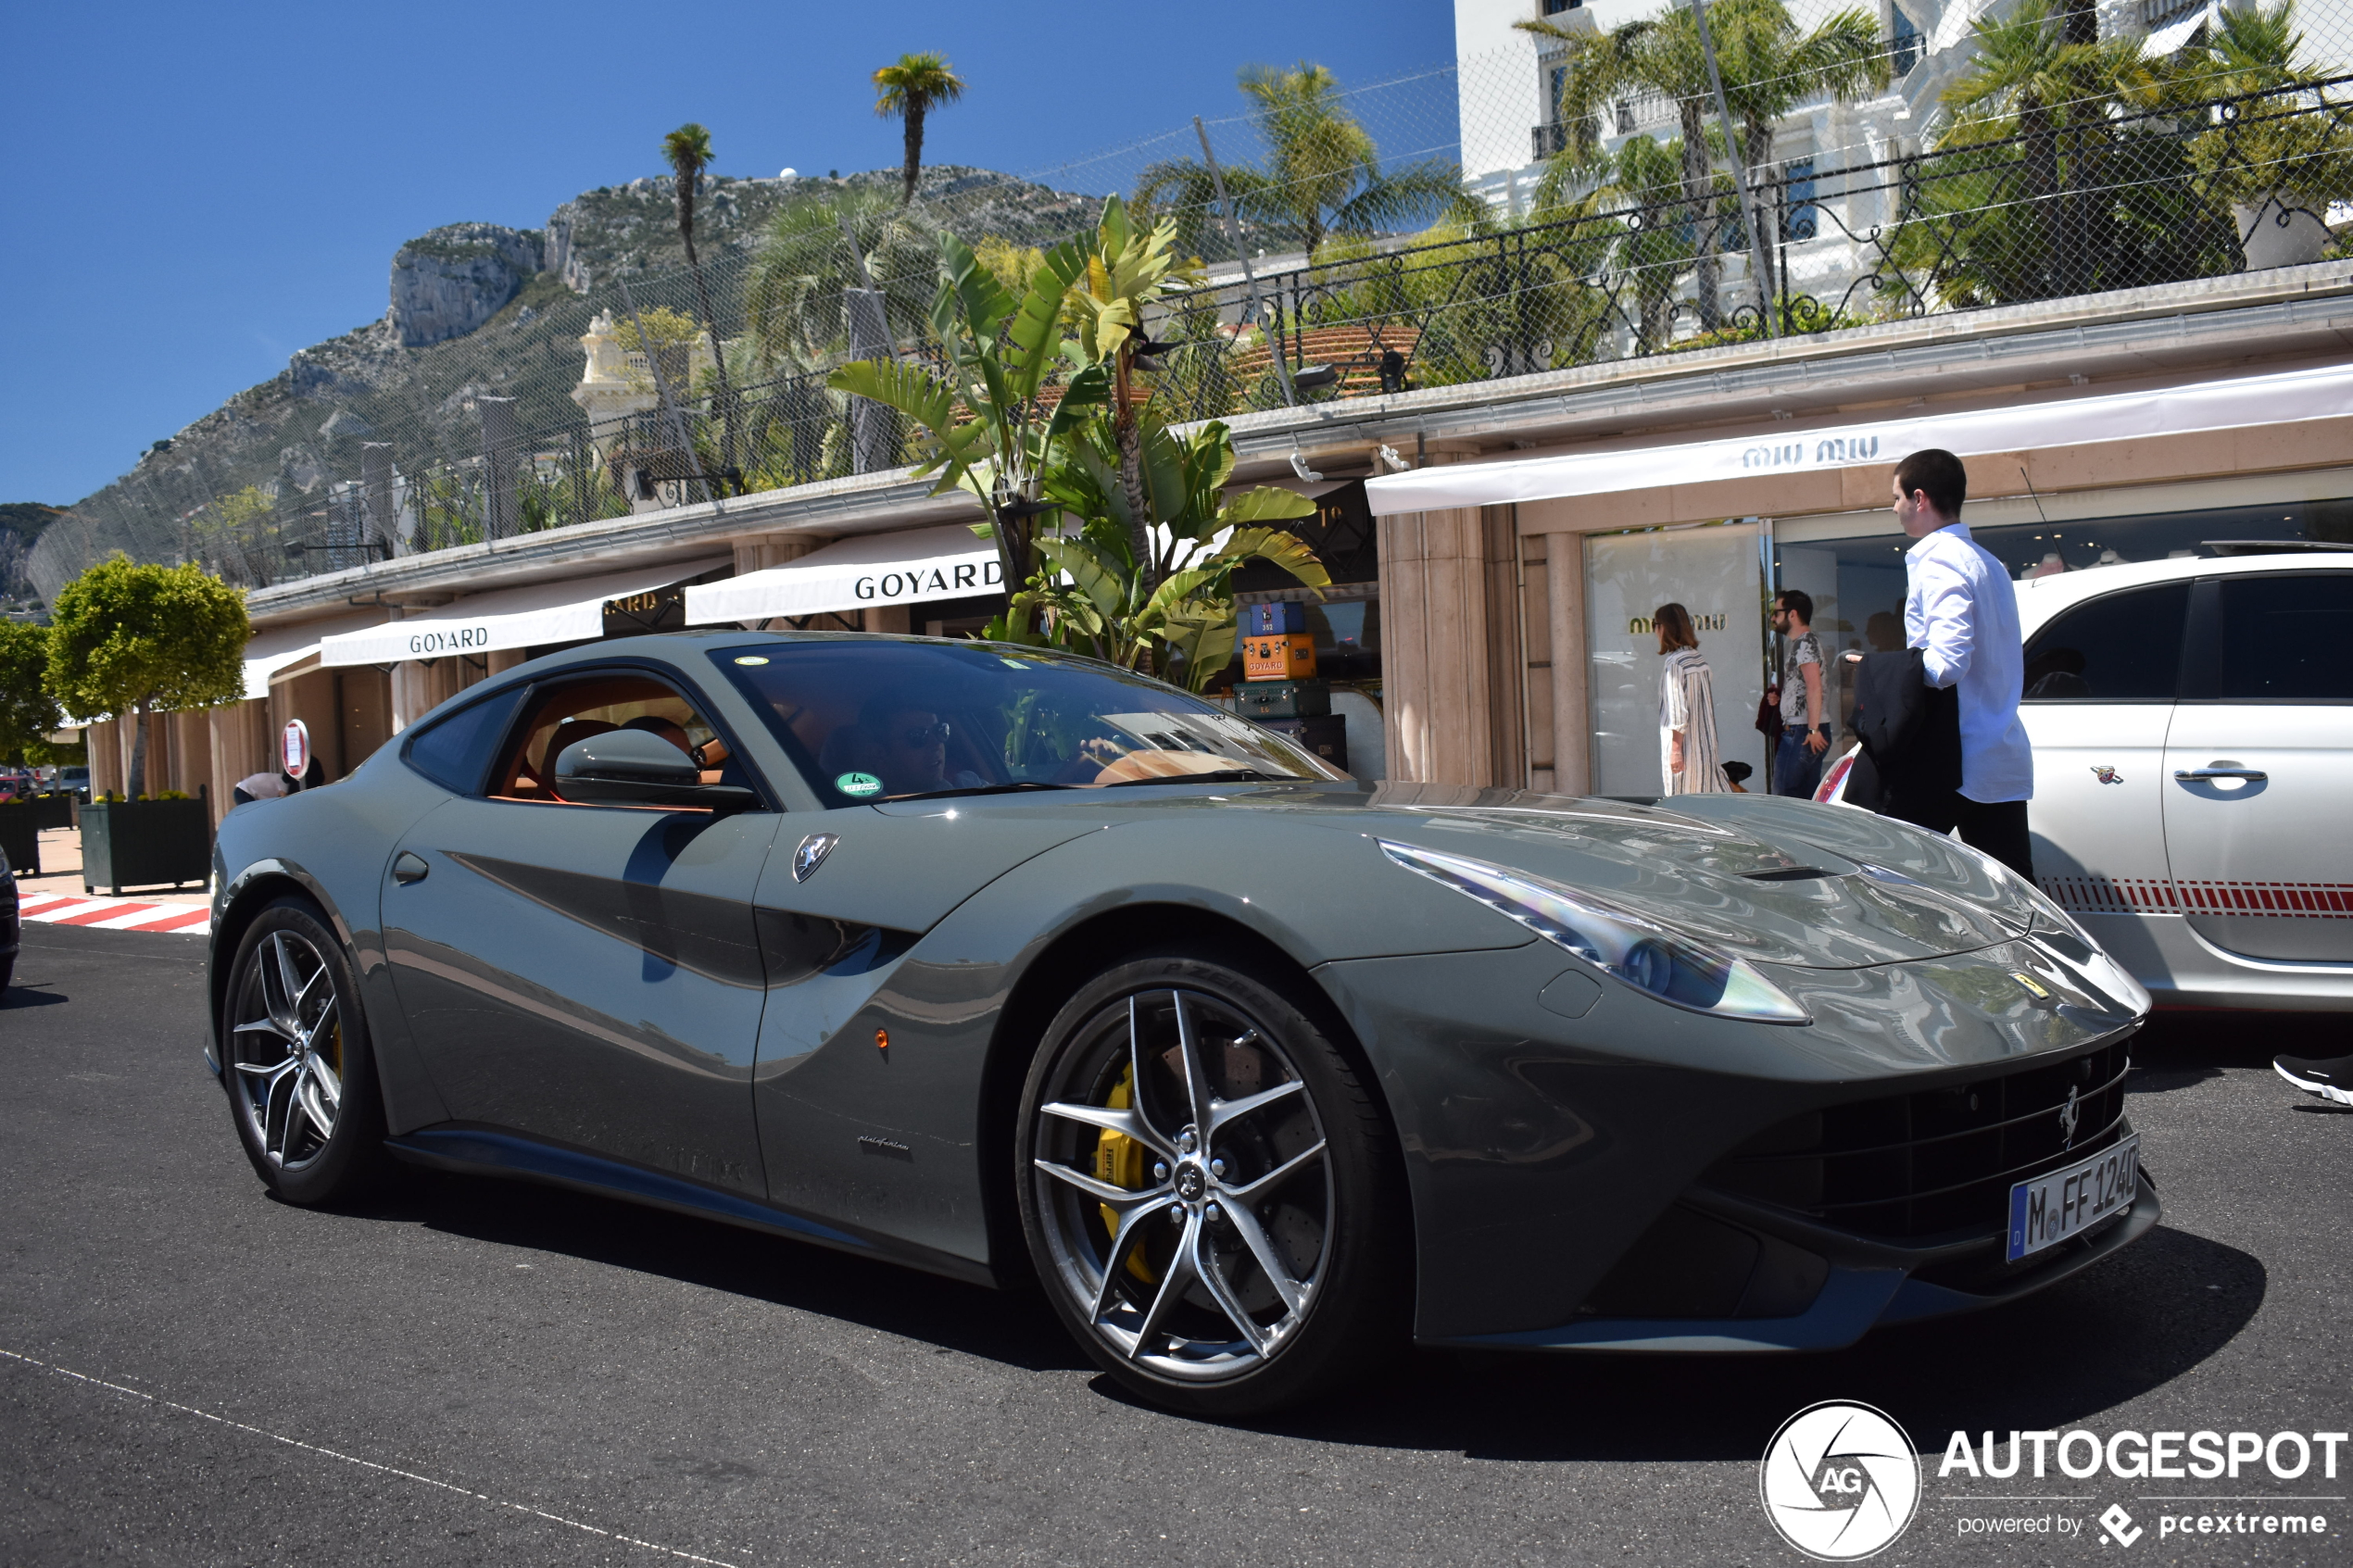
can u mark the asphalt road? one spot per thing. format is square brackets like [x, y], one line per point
[475, 1372]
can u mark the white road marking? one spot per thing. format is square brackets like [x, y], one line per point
[365, 1464]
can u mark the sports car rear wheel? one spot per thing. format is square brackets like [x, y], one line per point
[296, 1062]
[1208, 1189]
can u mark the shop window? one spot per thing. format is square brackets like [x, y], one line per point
[2120, 648]
[2286, 638]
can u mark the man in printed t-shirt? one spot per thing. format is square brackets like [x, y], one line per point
[1805, 730]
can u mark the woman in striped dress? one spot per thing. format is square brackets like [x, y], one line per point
[1686, 709]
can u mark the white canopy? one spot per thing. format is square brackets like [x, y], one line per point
[2218, 404]
[873, 569]
[512, 617]
[272, 650]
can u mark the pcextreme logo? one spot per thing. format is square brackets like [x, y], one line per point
[1839, 1481]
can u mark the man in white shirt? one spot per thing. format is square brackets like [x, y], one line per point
[1961, 612]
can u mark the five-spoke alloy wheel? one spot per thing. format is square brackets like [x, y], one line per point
[1206, 1188]
[294, 1059]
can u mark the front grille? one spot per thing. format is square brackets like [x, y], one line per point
[1936, 1162]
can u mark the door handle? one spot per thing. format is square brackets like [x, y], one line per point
[2220, 771]
[407, 868]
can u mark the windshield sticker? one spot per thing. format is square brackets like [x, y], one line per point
[858, 786]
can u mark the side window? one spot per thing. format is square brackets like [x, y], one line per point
[2120, 647]
[574, 710]
[454, 750]
[2287, 638]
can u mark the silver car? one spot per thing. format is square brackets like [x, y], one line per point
[2193, 729]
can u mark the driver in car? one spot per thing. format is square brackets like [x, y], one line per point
[909, 742]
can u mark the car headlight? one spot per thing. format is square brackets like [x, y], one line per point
[1672, 968]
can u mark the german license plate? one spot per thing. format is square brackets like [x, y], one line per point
[2050, 1209]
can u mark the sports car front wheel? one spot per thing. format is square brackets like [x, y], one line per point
[1209, 1189]
[296, 1062]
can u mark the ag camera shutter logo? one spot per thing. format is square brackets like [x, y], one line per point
[1839, 1481]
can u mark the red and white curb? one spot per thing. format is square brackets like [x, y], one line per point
[115, 914]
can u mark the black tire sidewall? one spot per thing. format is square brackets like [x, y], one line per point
[354, 1162]
[1362, 1306]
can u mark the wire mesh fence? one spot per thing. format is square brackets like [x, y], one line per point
[1361, 244]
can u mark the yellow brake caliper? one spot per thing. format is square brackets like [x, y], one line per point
[1119, 1160]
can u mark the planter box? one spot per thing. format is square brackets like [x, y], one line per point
[21, 836]
[145, 843]
[52, 810]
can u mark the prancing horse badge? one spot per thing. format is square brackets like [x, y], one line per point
[812, 854]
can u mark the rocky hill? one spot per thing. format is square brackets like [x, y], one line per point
[20, 526]
[482, 309]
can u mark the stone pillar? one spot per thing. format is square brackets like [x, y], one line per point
[102, 741]
[1564, 610]
[191, 752]
[1506, 644]
[1436, 678]
[1536, 623]
[242, 744]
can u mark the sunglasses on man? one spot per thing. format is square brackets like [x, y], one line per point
[918, 736]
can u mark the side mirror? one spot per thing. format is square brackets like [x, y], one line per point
[632, 767]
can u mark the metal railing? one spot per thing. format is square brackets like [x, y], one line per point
[2075, 199]
[2083, 207]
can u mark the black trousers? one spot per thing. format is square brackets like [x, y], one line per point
[1998, 829]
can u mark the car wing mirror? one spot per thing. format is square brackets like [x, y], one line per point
[633, 768]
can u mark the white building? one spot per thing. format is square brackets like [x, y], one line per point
[1509, 83]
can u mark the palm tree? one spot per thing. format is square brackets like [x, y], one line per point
[815, 249]
[687, 151]
[1660, 54]
[1770, 68]
[2286, 144]
[1322, 175]
[1647, 177]
[909, 89]
[2028, 84]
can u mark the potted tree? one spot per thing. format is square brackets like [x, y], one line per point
[1144, 582]
[129, 640]
[2281, 150]
[28, 716]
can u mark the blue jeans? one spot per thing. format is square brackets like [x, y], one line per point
[1796, 770]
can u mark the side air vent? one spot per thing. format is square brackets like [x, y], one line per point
[1787, 873]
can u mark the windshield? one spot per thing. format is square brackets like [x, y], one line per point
[888, 721]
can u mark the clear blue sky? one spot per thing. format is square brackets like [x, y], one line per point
[195, 192]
